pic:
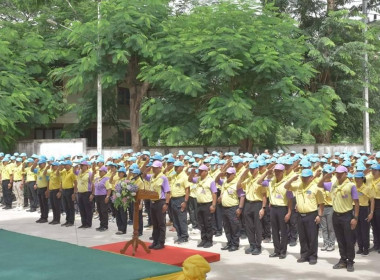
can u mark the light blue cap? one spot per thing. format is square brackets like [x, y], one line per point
[132, 159]
[136, 171]
[16, 154]
[377, 155]
[335, 161]
[23, 155]
[29, 160]
[133, 166]
[178, 163]
[191, 160]
[237, 160]
[324, 160]
[100, 160]
[19, 159]
[157, 157]
[376, 166]
[181, 153]
[336, 154]
[122, 169]
[222, 162]
[306, 173]
[305, 164]
[253, 165]
[13, 158]
[262, 163]
[207, 160]
[186, 158]
[55, 163]
[6, 159]
[195, 164]
[146, 153]
[359, 175]
[350, 175]
[68, 162]
[347, 163]
[1, 154]
[41, 161]
[171, 160]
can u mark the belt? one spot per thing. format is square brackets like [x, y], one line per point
[203, 203]
[327, 206]
[17, 181]
[343, 214]
[255, 201]
[277, 206]
[307, 214]
[177, 197]
[155, 201]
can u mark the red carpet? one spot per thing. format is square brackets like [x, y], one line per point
[170, 255]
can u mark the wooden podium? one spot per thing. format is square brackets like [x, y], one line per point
[135, 241]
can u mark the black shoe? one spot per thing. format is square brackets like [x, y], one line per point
[203, 242]
[54, 223]
[151, 238]
[82, 226]
[301, 260]
[340, 265]
[43, 221]
[208, 244]
[7, 207]
[360, 251]
[65, 224]
[233, 248]
[365, 252]
[292, 243]
[98, 228]
[130, 222]
[282, 256]
[249, 250]
[87, 226]
[218, 233]
[183, 240]
[313, 261]
[140, 234]
[151, 246]
[227, 247]
[159, 247]
[147, 226]
[102, 229]
[350, 267]
[51, 222]
[69, 225]
[120, 232]
[274, 255]
[373, 249]
[256, 251]
[39, 220]
[243, 236]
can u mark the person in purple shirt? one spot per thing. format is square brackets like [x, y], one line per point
[159, 183]
[102, 190]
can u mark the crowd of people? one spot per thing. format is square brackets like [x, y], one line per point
[281, 197]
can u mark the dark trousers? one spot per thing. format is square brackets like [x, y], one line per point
[344, 236]
[68, 205]
[232, 225]
[102, 207]
[158, 221]
[193, 211]
[217, 219]
[7, 193]
[85, 208]
[121, 219]
[33, 198]
[362, 229]
[253, 225]
[179, 217]
[147, 208]
[26, 196]
[279, 228]
[204, 221]
[44, 205]
[308, 232]
[55, 205]
[141, 226]
[375, 222]
[265, 224]
[292, 224]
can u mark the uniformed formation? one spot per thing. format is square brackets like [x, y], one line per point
[279, 196]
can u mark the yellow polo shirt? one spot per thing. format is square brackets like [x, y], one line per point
[42, 180]
[17, 173]
[253, 191]
[68, 179]
[229, 194]
[156, 183]
[375, 185]
[179, 183]
[308, 197]
[82, 180]
[214, 173]
[277, 192]
[341, 194]
[203, 190]
[30, 175]
[365, 193]
[6, 172]
[54, 180]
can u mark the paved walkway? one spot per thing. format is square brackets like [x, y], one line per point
[234, 265]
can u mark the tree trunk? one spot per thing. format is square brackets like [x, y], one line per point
[330, 5]
[137, 90]
[322, 138]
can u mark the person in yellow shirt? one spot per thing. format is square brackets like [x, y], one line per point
[30, 183]
[180, 192]
[69, 183]
[232, 200]
[217, 217]
[281, 207]
[54, 187]
[42, 172]
[344, 194]
[373, 180]
[310, 208]
[255, 205]
[121, 213]
[136, 176]
[366, 195]
[84, 190]
[6, 183]
[206, 203]
[18, 186]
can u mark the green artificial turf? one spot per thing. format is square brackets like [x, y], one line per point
[24, 257]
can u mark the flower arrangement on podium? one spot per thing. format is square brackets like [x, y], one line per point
[124, 193]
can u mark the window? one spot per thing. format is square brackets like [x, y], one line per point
[47, 133]
[123, 96]
[124, 138]
[90, 134]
